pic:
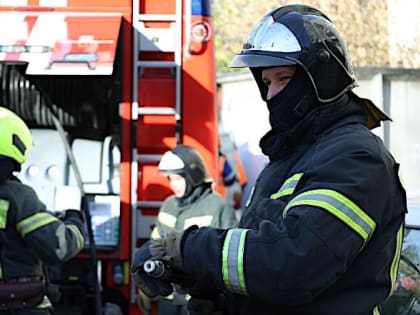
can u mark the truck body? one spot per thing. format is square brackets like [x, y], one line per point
[106, 88]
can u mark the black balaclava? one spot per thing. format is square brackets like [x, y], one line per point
[290, 105]
[7, 168]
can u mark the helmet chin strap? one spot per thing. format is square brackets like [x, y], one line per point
[291, 104]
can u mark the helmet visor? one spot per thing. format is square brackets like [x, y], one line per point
[267, 40]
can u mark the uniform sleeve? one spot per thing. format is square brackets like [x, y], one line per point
[291, 258]
[53, 240]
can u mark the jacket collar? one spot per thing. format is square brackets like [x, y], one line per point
[196, 194]
[323, 118]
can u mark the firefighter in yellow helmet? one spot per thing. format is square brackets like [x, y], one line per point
[30, 236]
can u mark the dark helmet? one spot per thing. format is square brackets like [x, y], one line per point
[304, 36]
[185, 161]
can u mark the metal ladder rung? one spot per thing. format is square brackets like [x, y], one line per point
[148, 158]
[157, 17]
[154, 39]
[157, 111]
[157, 64]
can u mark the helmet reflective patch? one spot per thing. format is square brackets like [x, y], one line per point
[170, 162]
[272, 36]
[18, 143]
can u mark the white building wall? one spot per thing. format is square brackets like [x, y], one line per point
[405, 133]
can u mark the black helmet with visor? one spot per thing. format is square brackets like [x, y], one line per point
[303, 36]
[185, 161]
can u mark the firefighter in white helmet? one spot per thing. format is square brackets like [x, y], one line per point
[322, 229]
[193, 203]
[30, 236]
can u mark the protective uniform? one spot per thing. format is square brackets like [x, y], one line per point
[199, 206]
[323, 225]
[30, 236]
[322, 230]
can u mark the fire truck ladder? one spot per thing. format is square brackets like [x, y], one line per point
[153, 40]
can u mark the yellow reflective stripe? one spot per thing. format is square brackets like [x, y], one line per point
[376, 311]
[169, 297]
[396, 259]
[204, 220]
[338, 205]
[167, 219]
[233, 270]
[288, 186]
[45, 303]
[4, 207]
[250, 197]
[34, 222]
[80, 240]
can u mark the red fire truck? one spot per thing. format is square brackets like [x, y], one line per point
[107, 86]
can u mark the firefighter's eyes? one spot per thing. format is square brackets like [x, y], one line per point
[282, 79]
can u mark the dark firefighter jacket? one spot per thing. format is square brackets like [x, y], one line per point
[322, 230]
[31, 237]
[203, 208]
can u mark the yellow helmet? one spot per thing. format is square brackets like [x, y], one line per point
[15, 137]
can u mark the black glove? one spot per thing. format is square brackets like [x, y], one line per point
[149, 285]
[74, 217]
[72, 214]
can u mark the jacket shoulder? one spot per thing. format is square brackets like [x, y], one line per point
[14, 189]
[351, 139]
[215, 198]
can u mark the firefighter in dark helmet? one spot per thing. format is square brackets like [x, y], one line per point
[193, 202]
[322, 229]
[30, 236]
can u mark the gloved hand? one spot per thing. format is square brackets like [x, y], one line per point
[75, 217]
[169, 249]
[73, 214]
[150, 286]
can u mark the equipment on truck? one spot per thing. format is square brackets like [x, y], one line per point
[106, 88]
